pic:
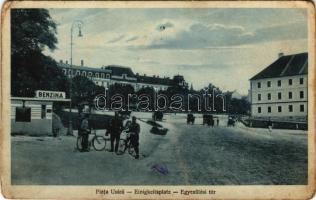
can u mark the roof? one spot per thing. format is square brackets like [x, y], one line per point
[154, 80]
[64, 65]
[290, 65]
[120, 70]
[37, 99]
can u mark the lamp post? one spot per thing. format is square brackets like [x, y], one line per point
[76, 24]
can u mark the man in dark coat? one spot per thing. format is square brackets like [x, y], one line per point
[116, 128]
[85, 131]
[134, 130]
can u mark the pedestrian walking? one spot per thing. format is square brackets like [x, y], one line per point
[116, 128]
[270, 125]
[217, 121]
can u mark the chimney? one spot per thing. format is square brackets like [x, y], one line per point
[66, 62]
[61, 61]
[144, 74]
[82, 63]
[281, 54]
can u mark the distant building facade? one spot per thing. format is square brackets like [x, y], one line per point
[280, 90]
[114, 74]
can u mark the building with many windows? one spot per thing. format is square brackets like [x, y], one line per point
[280, 90]
[114, 74]
[99, 76]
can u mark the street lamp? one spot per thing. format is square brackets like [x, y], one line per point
[76, 24]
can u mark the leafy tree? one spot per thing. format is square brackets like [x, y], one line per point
[239, 106]
[33, 31]
[122, 90]
[84, 90]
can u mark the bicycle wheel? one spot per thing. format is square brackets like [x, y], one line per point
[79, 143]
[98, 143]
[122, 147]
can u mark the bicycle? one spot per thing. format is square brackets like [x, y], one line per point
[98, 142]
[126, 144]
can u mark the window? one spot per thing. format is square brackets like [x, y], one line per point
[301, 81]
[279, 108]
[301, 94]
[279, 83]
[259, 109]
[269, 83]
[302, 108]
[279, 95]
[70, 72]
[269, 96]
[78, 73]
[43, 112]
[96, 75]
[290, 81]
[65, 71]
[290, 108]
[259, 85]
[107, 76]
[83, 73]
[90, 74]
[259, 97]
[290, 95]
[22, 114]
[102, 75]
[269, 109]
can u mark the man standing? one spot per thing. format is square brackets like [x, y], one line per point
[84, 131]
[116, 128]
[134, 130]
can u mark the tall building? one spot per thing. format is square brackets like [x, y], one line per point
[280, 90]
[115, 74]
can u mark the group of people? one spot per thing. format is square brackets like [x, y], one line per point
[115, 129]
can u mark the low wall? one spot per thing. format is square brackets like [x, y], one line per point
[275, 124]
[35, 127]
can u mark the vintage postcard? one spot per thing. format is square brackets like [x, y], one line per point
[158, 100]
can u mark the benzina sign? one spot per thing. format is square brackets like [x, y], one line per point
[50, 94]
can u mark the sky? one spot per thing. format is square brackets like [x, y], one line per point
[222, 46]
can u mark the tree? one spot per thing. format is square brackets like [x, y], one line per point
[122, 90]
[84, 90]
[239, 106]
[33, 31]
